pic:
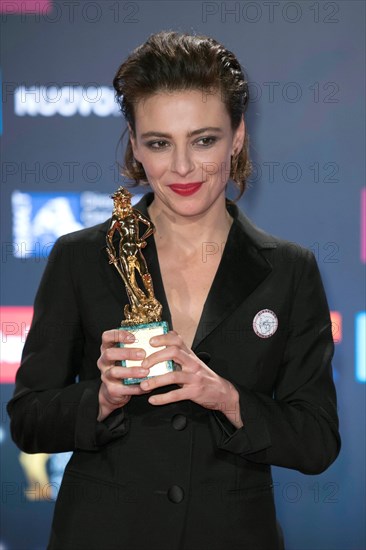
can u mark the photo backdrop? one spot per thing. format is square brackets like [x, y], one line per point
[60, 129]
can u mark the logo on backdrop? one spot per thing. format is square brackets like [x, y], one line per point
[14, 328]
[66, 101]
[39, 218]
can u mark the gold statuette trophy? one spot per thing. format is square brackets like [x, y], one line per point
[144, 313]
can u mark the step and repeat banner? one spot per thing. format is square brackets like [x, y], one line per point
[60, 150]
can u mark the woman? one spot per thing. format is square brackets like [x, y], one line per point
[181, 461]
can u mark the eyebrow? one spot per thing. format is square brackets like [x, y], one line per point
[190, 134]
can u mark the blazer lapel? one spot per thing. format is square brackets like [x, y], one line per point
[242, 269]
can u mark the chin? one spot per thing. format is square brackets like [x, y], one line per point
[189, 210]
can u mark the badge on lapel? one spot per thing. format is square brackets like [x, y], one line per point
[265, 323]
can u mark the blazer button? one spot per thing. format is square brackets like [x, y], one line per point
[179, 421]
[175, 494]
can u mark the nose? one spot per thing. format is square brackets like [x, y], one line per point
[182, 162]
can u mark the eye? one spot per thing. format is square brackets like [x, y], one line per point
[206, 141]
[157, 144]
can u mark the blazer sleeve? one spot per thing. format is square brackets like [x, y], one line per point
[50, 410]
[297, 427]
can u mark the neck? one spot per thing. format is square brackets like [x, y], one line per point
[190, 232]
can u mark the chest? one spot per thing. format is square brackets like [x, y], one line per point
[187, 284]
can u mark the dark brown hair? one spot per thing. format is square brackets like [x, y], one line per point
[172, 61]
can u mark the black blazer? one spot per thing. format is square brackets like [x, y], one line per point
[179, 476]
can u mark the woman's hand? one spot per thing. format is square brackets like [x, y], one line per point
[196, 380]
[113, 394]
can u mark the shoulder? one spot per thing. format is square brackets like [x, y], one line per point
[90, 235]
[267, 243]
[290, 265]
[84, 245]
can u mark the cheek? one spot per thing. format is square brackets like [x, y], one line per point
[154, 167]
[218, 168]
[219, 155]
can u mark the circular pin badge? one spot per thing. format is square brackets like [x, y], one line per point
[265, 323]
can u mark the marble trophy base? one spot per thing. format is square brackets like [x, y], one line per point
[142, 334]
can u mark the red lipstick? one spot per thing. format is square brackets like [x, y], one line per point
[186, 189]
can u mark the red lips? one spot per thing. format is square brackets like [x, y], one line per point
[185, 189]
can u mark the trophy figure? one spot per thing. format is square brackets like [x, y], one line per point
[143, 314]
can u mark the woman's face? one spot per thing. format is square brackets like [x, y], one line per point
[184, 141]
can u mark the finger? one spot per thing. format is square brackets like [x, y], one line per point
[111, 355]
[115, 393]
[171, 338]
[112, 337]
[169, 397]
[117, 374]
[178, 377]
[174, 353]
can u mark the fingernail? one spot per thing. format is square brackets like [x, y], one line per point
[145, 385]
[130, 338]
[140, 354]
[153, 340]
